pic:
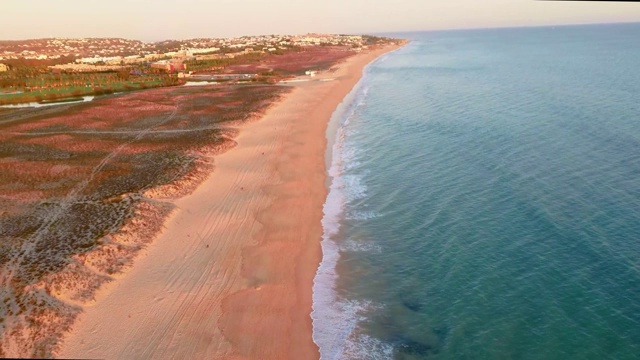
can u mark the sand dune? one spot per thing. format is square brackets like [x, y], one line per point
[231, 274]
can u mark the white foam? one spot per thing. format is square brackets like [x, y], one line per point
[362, 215]
[347, 342]
[353, 187]
[362, 346]
[335, 320]
[360, 246]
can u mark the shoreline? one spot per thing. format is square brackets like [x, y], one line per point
[214, 284]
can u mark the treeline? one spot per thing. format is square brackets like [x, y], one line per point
[37, 78]
[199, 65]
[21, 64]
[61, 86]
[373, 40]
[244, 59]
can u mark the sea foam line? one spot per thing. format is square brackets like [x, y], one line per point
[335, 320]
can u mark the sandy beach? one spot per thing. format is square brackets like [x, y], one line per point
[231, 274]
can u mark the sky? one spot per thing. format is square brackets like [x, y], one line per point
[183, 19]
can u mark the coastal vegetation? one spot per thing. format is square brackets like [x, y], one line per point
[26, 84]
[82, 190]
[217, 65]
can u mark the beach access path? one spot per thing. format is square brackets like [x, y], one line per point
[231, 275]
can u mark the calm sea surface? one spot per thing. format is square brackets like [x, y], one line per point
[485, 201]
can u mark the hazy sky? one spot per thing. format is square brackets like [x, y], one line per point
[171, 19]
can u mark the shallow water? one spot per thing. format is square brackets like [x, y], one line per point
[486, 200]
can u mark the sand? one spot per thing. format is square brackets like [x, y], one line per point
[232, 272]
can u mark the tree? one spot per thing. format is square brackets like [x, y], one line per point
[124, 74]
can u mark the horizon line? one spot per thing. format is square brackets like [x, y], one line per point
[373, 33]
[515, 26]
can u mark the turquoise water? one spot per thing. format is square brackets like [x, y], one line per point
[485, 201]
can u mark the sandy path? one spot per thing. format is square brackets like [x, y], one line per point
[231, 275]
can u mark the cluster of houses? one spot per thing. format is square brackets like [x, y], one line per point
[169, 65]
[73, 67]
[272, 41]
[109, 54]
[89, 50]
[54, 48]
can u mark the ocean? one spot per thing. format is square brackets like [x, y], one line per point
[485, 200]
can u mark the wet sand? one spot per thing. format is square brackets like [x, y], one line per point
[232, 272]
